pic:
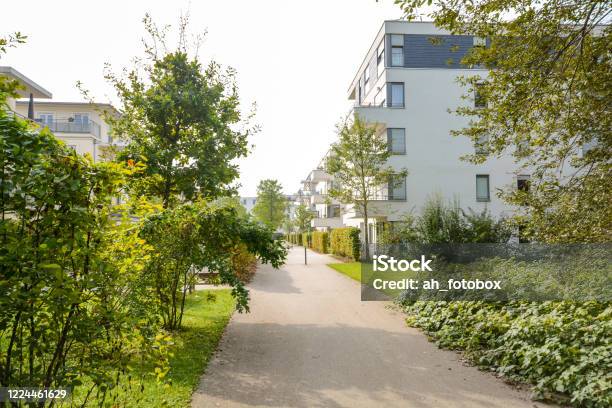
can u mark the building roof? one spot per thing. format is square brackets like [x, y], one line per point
[31, 87]
[103, 106]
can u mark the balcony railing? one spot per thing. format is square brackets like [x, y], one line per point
[383, 104]
[71, 126]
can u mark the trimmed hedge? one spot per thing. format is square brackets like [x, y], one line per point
[345, 242]
[307, 239]
[320, 241]
[294, 238]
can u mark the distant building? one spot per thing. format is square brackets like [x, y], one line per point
[248, 203]
[78, 124]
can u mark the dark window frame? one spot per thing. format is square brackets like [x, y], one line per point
[390, 141]
[488, 197]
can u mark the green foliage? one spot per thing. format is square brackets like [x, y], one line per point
[206, 315]
[547, 103]
[271, 206]
[441, 223]
[320, 241]
[295, 238]
[303, 216]
[307, 239]
[9, 87]
[345, 242]
[244, 263]
[358, 164]
[193, 236]
[179, 119]
[71, 309]
[562, 348]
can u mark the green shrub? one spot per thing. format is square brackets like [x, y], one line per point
[306, 239]
[243, 262]
[562, 348]
[320, 241]
[345, 242]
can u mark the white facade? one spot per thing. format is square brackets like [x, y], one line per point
[315, 196]
[248, 203]
[79, 125]
[409, 102]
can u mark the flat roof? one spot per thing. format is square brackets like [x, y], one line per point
[63, 103]
[31, 87]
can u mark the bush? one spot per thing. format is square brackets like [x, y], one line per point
[320, 241]
[562, 348]
[442, 223]
[345, 242]
[71, 310]
[306, 239]
[244, 263]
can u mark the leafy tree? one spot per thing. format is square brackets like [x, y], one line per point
[70, 309]
[200, 235]
[303, 216]
[358, 163]
[546, 101]
[180, 119]
[271, 206]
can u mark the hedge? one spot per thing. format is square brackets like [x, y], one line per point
[294, 237]
[320, 241]
[345, 242]
[307, 239]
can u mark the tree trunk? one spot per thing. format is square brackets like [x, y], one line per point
[366, 233]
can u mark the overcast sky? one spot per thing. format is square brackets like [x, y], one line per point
[296, 59]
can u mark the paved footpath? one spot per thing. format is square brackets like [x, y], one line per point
[310, 342]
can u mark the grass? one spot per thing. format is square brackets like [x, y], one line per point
[350, 269]
[204, 320]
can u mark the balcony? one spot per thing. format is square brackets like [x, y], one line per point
[68, 125]
[333, 222]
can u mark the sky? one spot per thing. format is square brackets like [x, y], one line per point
[295, 59]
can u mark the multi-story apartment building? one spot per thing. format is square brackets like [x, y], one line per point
[315, 196]
[406, 85]
[80, 125]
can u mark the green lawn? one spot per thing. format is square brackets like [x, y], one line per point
[203, 324]
[350, 269]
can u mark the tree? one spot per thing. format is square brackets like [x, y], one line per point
[546, 101]
[303, 216]
[271, 204]
[358, 163]
[180, 120]
[199, 235]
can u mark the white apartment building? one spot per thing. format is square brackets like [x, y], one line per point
[315, 195]
[80, 125]
[406, 85]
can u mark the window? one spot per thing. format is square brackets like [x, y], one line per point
[46, 118]
[397, 188]
[397, 50]
[480, 42]
[366, 77]
[396, 139]
[380, 58]
[482, 187]
[396, 95]
[479, 99]
[522, 183]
